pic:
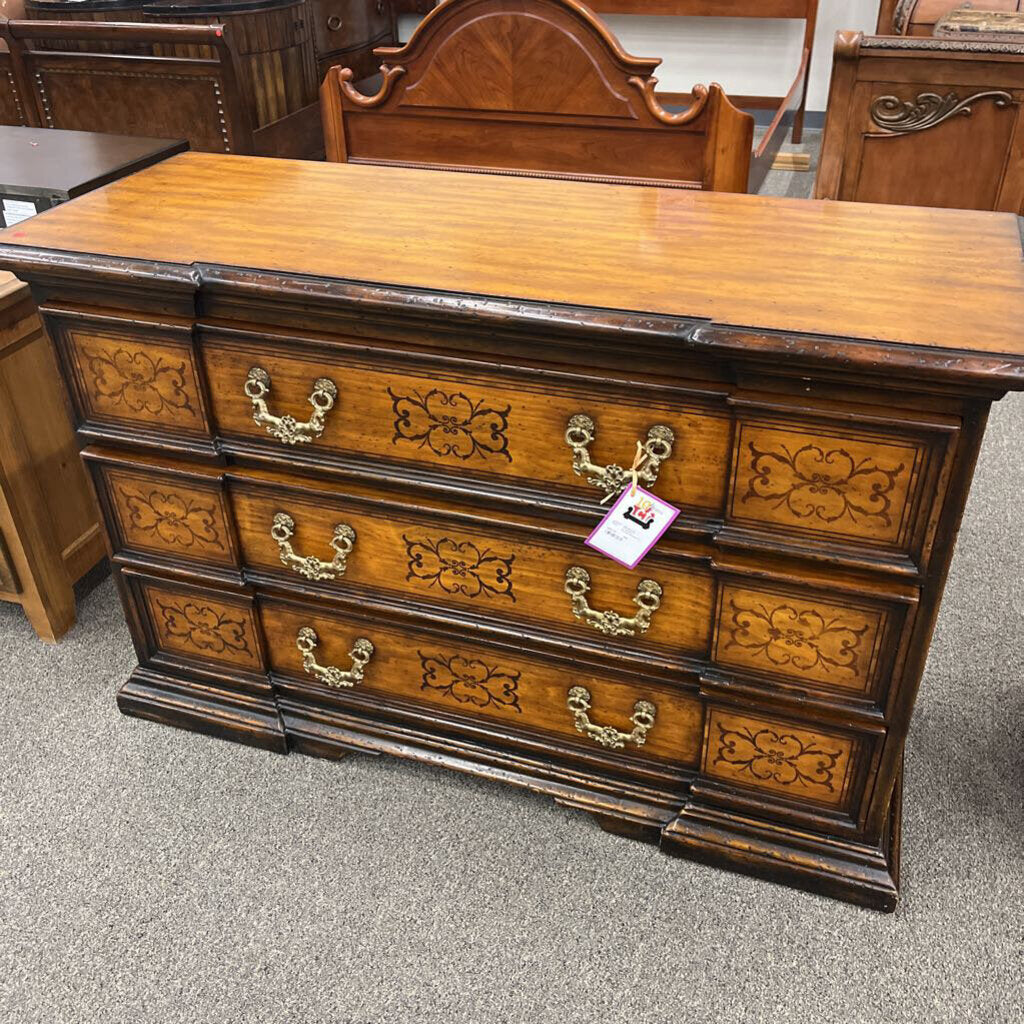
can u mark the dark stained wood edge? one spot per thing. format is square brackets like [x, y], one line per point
[991, 374]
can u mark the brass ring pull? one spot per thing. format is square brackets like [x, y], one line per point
[287, 429]
[579, 436]
[647, 600]
[344, 539]
[642, 718]
[362, 651]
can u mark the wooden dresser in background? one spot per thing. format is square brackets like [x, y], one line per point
[347, 502]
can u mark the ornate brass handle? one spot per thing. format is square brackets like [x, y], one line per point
[344, 539]
[642, 718]
[362, 651]
[579, 436]
[647, 600]
[287, 429]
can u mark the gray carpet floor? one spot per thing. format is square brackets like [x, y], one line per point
[151, 875]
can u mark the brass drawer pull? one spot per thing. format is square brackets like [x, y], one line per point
[647, 600]
[344, 539]
[579, 436]
[362, 651]
[642, 718]
[287, 429]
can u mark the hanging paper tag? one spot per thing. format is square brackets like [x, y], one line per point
[633, 526]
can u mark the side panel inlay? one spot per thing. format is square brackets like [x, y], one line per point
[858, 488]
[170, 516]
[791, 761]
[153, 382]
[810, 641]
[199, 626]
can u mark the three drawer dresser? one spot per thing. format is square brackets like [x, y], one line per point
[350, 427]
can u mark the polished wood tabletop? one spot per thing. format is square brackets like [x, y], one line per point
[929, 277]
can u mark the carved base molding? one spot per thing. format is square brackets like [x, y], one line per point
[845, 870]
[200, 707]
[663, 815]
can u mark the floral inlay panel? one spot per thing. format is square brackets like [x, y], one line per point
[451, 425]
[198, 626]
[470, 681]
[150, 382]
[804, 640]
[459, 567]
[833, 484]
[775, 756]
[171, 519]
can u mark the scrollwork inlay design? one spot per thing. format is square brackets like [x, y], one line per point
[827, 484]
[459, 567]
[928, 109]
[787, 637]
[173, 519]
[204, 627]
[470, 681]
[139, 382]
[451, 424]
[769, 755]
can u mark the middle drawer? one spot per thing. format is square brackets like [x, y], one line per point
[681, 612]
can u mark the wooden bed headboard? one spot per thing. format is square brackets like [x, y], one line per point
[122, 93]
[532, 86]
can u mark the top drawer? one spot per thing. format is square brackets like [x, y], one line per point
[848, 483]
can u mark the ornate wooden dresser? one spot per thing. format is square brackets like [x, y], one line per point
[348, 457]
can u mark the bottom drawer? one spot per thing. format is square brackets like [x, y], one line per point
[322, 648]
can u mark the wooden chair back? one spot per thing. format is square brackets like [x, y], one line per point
[181, 97]
[924, 122]
[532, 87]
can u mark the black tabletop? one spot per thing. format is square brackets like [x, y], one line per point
[49, 162]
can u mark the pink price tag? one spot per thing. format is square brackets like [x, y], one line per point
[632, 527]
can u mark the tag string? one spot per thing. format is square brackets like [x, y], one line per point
[638, 461]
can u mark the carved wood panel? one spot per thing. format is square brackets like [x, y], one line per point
[517, 690]
[136, 381]
[197, 625]
[489, 572]
[481, 424]
[798, 763]
[801, 638]
[835, 481]
[170, 516]
[904, 131]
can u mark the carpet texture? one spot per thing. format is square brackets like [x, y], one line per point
[151, 875]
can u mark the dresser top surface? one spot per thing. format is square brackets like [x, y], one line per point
[938, 278]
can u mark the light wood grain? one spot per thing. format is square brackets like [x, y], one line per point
[946, 278]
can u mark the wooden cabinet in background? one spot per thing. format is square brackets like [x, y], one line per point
[50, 534]
[346, 31]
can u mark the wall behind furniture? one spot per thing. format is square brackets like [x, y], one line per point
[747, 56]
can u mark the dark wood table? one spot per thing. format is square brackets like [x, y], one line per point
[46, 166]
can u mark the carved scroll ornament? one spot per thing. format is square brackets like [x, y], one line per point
[898, 117]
